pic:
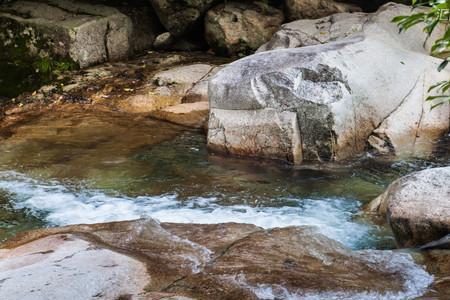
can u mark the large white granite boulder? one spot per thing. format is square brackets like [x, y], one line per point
[361, 80]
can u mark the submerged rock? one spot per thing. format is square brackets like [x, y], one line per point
[74, 33]
[234, 28]
[204, 261]
[417, 207]
[323, 102]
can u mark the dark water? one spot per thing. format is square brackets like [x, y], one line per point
[81, 167]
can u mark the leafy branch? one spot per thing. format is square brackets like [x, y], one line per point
[439, 13]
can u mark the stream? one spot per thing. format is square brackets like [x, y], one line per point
[89, 167]
[84, 167]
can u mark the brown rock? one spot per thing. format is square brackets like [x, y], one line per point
[171, 87]
[315, 9]
[193, 115]
[63, 266]
[180, 17]
[222, 261]
[240, 27]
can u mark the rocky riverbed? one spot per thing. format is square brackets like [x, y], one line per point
[296, 231]
[224, 261]
[312, 169]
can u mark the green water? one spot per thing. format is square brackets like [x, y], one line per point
[81, 167]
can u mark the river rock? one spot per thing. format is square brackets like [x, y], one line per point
[193, 115]
[180, 17]
[201, 262]
[74, 33]
[177, 85]
[235, 28]
[303, 33]
[267, 133]
[417, 207]
[63, 266]
[166, 41]
[163, 41]
[314, 9]
[339, 99]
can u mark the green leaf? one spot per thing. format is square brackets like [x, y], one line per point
[443, 65]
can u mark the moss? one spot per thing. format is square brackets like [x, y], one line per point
[26, 58]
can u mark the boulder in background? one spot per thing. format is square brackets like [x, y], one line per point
[234, 28]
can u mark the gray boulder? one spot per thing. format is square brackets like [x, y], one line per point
[314, 9]
[417, 207]
[303, 33]
[73, 32]
[179, 17]
[235, 28]
[341, 90]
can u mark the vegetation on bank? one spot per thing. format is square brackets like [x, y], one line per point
[23, 69]
[438, 14]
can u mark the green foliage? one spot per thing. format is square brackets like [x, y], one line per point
[51, 67]
[21, 69]
[439, 13]
[43, 66]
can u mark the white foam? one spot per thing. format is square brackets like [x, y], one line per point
[415, 281]
[59, 205]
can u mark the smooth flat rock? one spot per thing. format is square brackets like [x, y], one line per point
[193, 115]
[63, 266]
[200, 262]
[174, 86]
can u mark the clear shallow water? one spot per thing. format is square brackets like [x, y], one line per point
[80, 167]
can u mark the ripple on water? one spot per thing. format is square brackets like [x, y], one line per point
[60, 205]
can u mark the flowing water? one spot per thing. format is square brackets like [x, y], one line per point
[84, 167]
[80, 167]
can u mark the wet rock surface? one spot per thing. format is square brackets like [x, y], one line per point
[417, 207]
[176, 85]
[141, 86]
[194, 115]
[223, 261]
[63, 266]
[436, 263]
[338, 98]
